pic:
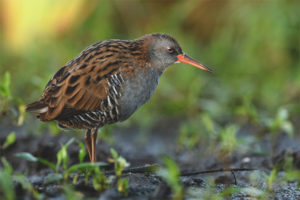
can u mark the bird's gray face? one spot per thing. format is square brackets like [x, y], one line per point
[164, 52]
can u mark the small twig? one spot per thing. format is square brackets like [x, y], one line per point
[235, 181]
[154, 167]
[184, 173]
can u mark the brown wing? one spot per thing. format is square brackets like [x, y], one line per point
[84, 94]
[82, 84]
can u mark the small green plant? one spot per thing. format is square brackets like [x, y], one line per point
[5, 93]
[88, 169]
[62, 155]
[188, 137]
[82, 151]
[122, 186]
[208, 123]
[22, 110]
[281, 122]
[228, 140]
[8, 177]
[8, 103]
[209, 192]
[196, 130]
[26, 185]
[292, 175]
[99, 180]
[271, 178]
[248, 110]
[70, 193]
[120, 164]
[10, 139]
[6, 185]
[287, 165]
[171, 174]
[228, 192]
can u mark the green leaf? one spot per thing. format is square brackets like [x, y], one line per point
[123, 186]
[288, 127]
[292, 175]
[62, 155]
[228, 138]
[10, 139]
[85, 166]
[282, 114]
[7, 167]
[82, 151]
[53, 177]
[208, 123]
[171, 174]
[70, 142]
[71, 193]
[119, 163]
[114, 153]
[47, 163]
[23, 180]
[99, 180]
[6, 184]
[281, 122]
[271, 178]
[27, 156]
[22, 109]
[5, 85]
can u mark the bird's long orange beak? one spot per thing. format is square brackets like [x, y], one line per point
[188, 60]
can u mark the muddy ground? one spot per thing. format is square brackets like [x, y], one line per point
[141, 147]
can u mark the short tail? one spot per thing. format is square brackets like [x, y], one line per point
[37, 108]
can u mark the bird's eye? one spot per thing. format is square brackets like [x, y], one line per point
[171, 50]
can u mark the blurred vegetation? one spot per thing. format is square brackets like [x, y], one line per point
[252, 46]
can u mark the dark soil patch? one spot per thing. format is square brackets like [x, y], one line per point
[141, 148]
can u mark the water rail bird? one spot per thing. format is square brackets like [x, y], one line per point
[107, 82]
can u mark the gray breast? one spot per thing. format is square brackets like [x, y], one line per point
[137, 90]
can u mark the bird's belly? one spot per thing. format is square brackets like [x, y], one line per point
[137, 92]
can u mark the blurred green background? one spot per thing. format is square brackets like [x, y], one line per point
[252, 46]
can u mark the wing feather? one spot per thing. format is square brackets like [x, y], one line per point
[82, 84]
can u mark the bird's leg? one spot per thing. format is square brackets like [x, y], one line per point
[87, 139]
[93, 140]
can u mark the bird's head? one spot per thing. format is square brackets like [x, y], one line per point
[164, 50]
